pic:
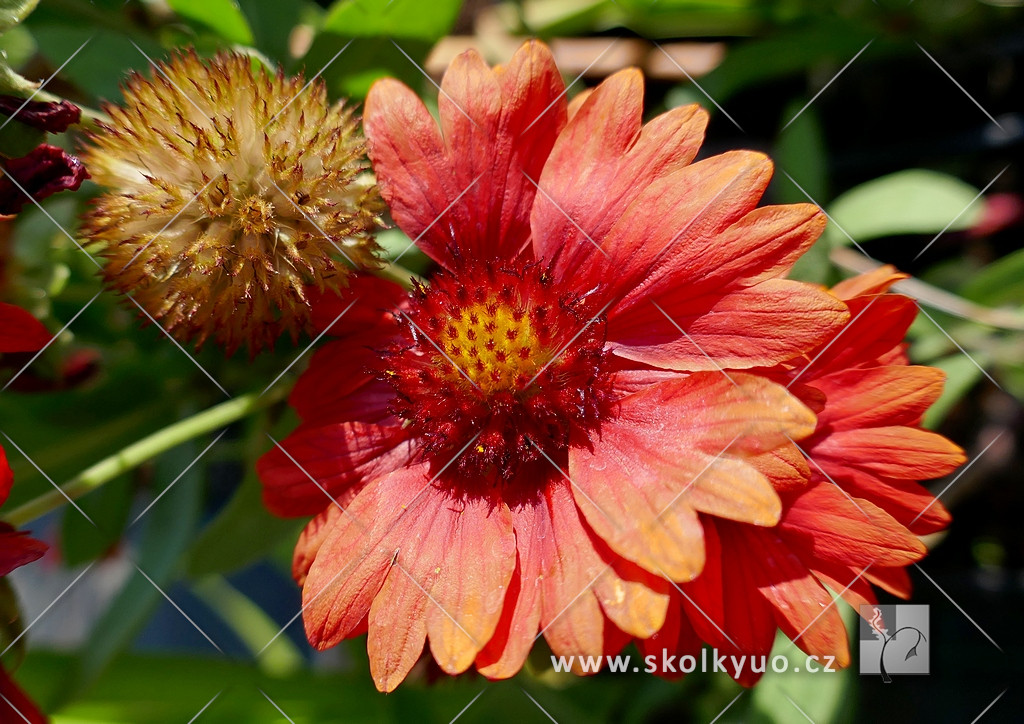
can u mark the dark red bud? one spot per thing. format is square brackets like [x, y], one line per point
[44, 172]
[46, 116]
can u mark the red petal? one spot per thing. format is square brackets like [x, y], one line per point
[762, 245]
[678, 214]
[6, 477]
[601, 163]
[878, 396]
[15, 706]
[758, 326]
[323, 462]
[894, 452]
[17, 549]
[312, 537]
[656, 463]
[876, 326]
[893, 579]
[803, 608]
[912, 505]
[20, 331]
[517, 111]
[339, 386]
[827, 523]
[367, 303]
[724, 607]
[470, 189]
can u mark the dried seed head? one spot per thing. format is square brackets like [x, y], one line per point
[229, 191]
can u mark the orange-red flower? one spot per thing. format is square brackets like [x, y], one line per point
[852, 507]
[19, 332]
[535, 442]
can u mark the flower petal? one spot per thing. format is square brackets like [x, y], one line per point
[469, 189]
[396, 630]
[826, 522]
[20, 331]
[803, 609]
[319, 463]
[894, 451]
[759, 326]
[661, 459]
[761, 245]
[601, 163]
[869, 397]
[17, 549]
[457, 550]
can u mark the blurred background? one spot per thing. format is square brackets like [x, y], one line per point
[903, 120]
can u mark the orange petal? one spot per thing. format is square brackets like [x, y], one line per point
[601, 162]
[761, 245]
[397, 629]
[894, 452]
[876, 281]
[660, 459]
[759, 326]
[833, 527]
[878, 396]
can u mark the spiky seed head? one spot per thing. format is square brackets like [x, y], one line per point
[229, 192]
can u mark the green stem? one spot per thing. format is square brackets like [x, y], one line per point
[142, 450]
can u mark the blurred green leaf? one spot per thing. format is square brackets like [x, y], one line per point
[824, 697]
[377, 38]
[800, 151]
[103, 58]
[999, 283]
[916, 201]
[272, 23]
[13, 12]
[224, 17]
[242, 533]
[961, 375]
[392, 18]
[168, 529]
[108, 507]
[18, 139]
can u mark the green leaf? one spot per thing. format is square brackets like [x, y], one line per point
[13, 12]
[412, 19]
[223, 17]
[379, 39]
[961, 375]
[1001, 282]
[800, 152]
[824, 696]
[108, 507]
[916, 201]
[169, 527]
[242, 533]
[272, 22]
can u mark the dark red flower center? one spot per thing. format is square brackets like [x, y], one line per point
[498, 366]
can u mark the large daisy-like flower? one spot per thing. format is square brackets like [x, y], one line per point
[542, 440]
[852, 503]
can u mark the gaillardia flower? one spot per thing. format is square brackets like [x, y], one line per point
[542, 439]
[852, 507]
[230, 192]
